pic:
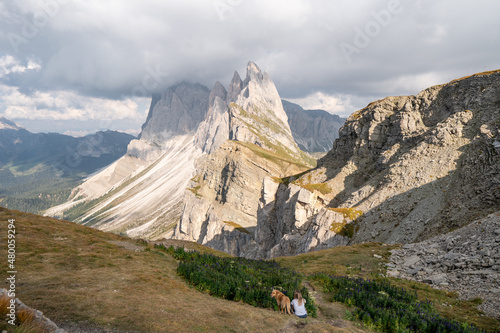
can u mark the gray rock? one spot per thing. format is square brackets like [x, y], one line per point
[438, 278]
[313, 130]
[432, 251]
[464, 271]
[179, 110]
[393, 273]
[411, 261]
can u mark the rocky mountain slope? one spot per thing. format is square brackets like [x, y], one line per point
[466, 260]
[141, 193]
[219, 144]
[402, 170]
[413, 166]
[38, 170]
[313, 130]
[220, 210]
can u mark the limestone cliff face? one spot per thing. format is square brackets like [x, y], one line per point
[200, 159]
[416, 166]
[221, 206]
[141, 193]
[313, 130]
[178, 111]
[222, 200]
[292, 220]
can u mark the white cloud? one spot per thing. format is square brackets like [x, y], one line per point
[9, 64]
[435, 33]
[335, 104]
[66, 105]
[409, 84]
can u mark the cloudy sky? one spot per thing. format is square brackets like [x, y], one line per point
[77, 66]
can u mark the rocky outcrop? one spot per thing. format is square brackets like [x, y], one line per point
[214, 130]
[257, 114]
[40, 321]
[415, 166]
[466, 260]
[293, 220]
[222, 201]
[313, 130]
[178, 111]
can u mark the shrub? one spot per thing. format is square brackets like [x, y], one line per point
[239, 279]
[386, 308]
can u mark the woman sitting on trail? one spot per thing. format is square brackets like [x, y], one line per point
[299, 305]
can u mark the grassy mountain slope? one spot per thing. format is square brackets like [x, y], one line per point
[82, 277]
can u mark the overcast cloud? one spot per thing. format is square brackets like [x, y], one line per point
[76, 66]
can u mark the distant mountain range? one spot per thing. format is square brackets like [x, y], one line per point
[38, 170]
[313, 130]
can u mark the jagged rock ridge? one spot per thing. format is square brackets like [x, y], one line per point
[220, 210]
[218, 143]
[416, 166]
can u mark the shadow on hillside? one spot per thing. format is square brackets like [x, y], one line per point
[470, 191]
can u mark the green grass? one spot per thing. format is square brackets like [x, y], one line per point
[73, 273]
[384, 307]
[237, 227]
[239, 279]
[359, 261]
[322, 188]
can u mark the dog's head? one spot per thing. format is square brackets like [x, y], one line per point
[274, 293]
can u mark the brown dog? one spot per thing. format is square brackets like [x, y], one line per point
[283, 301]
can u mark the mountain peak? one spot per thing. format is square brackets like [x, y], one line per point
[217, 91]
[235, 87]
[8, 124]
[252, 67]
[253, 73]
[179, 110]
